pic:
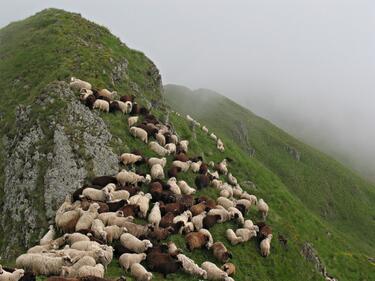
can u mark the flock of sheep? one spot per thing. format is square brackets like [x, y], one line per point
[96, 222]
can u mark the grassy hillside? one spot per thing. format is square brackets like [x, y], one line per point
[52, 50]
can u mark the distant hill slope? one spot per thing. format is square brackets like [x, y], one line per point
[333, 192]
[52, 144]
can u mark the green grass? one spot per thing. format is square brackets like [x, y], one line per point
[48, 47]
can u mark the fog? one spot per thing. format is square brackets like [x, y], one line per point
[307, 66]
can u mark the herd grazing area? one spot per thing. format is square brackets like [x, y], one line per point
[273, 208]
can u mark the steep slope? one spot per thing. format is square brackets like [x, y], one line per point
[52, 144]
[49, 139]
[331, 191]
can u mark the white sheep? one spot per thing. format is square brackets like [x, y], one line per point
[87, 217]
[144, 204]
[222, 212]
[183, 165]
[114, 232]
[133, 200]
[189, 227]
[139, 133]
[216, 183]
[107, 93]
[155, 215]
[225, 202]
[42, 264]
[86, 270]
[226, 190]
[250, 225]
[213, 136]
[160, 138]
[232, 237]
[190, 267]
[208, 234]
[265, 246]
[250, 197]
[246, 234]
[71, 238]
[119, 195]
[79, 84]
[198, 220]
[132, 120]
[126, 260]
[244, 202]
[184, 217]
[140, 273]
[161, 151]
[231, 179]
[214, 272]
[134, 244]
[86, 246]
[172, 182]
[125, 107]
[195, 166]
[11, 276]
[215, 174]
[263, 208]
[129, 158]
[120, 221]
[174, 139]
[49, 236]
[106, 216]
[42, 248]
[172, 248]
[185, 188]
[184, 145]
[204, 129]
[171, 147]
[157, 172]
[101, 195]
[153, 160]
[124, 177]
[72, 271]
[102, 105]
[97, 227]
[236, 214]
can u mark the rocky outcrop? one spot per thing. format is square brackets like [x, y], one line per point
[310, 254]
[294, 152]
[57, 145]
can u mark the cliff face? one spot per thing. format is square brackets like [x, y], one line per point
[50, 142]
[47, 159]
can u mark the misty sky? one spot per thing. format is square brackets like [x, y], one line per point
[308, 66]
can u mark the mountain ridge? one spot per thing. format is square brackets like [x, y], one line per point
[89, 142]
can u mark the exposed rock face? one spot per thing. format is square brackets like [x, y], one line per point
[50, 156]
[241, 134]
[309, 253]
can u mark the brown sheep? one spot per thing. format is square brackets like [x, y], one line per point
[135, 109]
[196, 240]
[220, 252]
[89, 101]
[85, 204]
[160, 233]
[181, 157]
[210, 203]
[175, 208]
[114, 106]
[144, 111]
[264, 230]
[104, 98]
[210, 220]
[203, 169]
[168, 196]
[127, 98]
[186, 200]
[116, 205]
[130, 210]
[199, 208]
[173, 171]
[104, 180]
[162, 262]
[133, 190]
[156, 188]
[167, 220]
[202, 181]
[229, 268]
